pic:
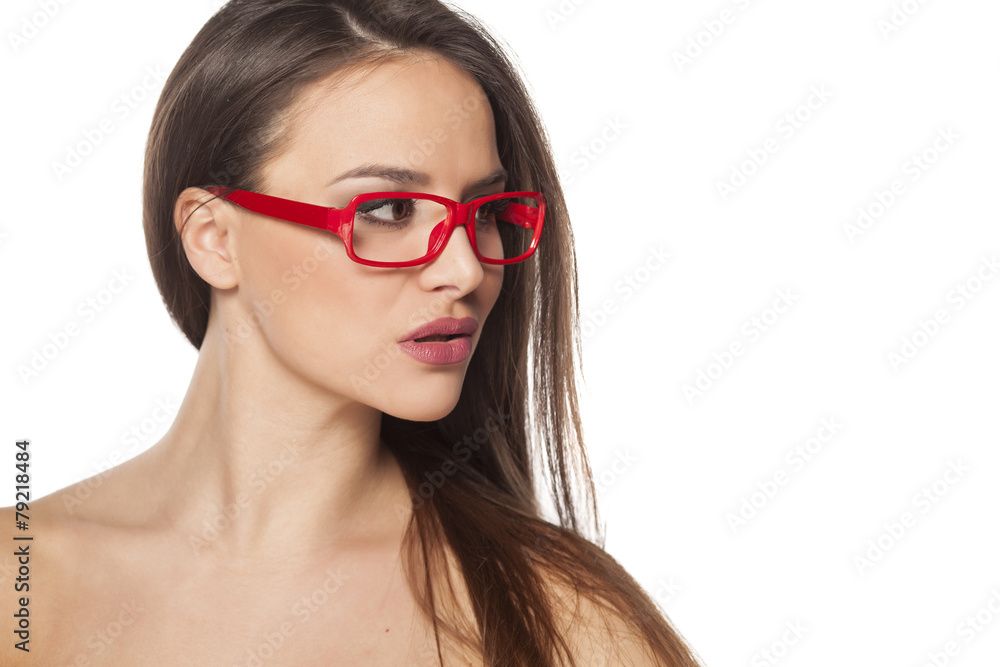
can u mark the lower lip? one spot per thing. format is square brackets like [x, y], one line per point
[439, 353]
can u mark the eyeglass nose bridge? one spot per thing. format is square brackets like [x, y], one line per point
[457, 214]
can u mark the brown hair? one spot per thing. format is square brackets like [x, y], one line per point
[215, 124]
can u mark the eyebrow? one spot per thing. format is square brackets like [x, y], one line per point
[409, 176]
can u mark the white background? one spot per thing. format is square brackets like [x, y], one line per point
[662, 134]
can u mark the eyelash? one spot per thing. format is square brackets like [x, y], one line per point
[376, 204]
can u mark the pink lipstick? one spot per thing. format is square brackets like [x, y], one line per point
[444, 341]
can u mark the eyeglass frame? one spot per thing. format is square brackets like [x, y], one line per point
[340, 221]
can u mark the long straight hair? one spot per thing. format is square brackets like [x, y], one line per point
[472, 473]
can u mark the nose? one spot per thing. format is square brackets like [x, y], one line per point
[457, 263]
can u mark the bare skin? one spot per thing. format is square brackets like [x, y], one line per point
[266, 523]
[111, 594]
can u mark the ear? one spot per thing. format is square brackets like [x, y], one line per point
[204, 222]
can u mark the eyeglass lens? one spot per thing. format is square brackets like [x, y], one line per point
[401, 230]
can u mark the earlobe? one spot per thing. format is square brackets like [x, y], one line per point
[203, 224]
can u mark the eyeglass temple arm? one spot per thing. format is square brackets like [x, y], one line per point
[330, 219]
[519, 214]
[284, 209]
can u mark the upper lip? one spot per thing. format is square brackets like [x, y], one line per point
[446, 326]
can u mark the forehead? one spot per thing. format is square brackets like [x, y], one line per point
[418, 112]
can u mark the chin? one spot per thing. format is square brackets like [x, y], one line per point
[422, 411]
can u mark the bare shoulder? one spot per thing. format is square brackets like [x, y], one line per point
[14, 593]
[21, 564]
[55, 526]
[47, 546]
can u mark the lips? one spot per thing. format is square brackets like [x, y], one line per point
[443, 342]
[442, 329]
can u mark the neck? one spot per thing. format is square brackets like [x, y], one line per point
[260, 466]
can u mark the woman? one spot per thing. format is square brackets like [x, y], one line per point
[350, 478]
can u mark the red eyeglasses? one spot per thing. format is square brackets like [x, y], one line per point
[397, 229]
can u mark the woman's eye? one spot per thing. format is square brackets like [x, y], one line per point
[490, 210]
[387, 210]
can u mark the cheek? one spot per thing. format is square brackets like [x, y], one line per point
[309, 297]
[272, 255]
[333, 320]
[490, 288]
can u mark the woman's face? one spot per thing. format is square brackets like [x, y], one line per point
[338, 324]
